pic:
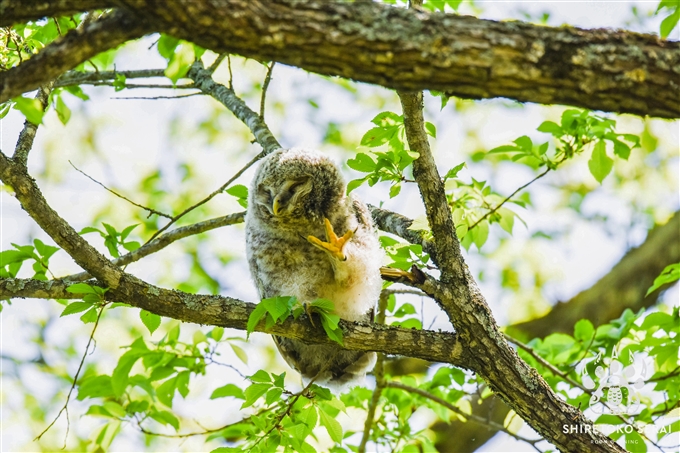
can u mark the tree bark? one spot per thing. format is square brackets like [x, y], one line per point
[600, 69]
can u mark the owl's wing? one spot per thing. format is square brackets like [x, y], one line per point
[362, 214]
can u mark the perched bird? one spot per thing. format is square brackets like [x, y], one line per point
[306, 238]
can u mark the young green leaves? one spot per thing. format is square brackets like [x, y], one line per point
[113, 239]
[12, 260]
[577, 130]
[385, 165]
[93, 298]
[277, 309]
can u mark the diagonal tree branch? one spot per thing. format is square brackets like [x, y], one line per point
[519, 385]
[68, 52]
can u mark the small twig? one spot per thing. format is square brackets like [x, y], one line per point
[265, 85]
[545, 363]
[231, 75]
[75, 380]
[140, 85]
[508, 198]
[379, 372]
[213, 67]
[160, 97]
[151, 211]
[199, 433]
[209, 197]
[166, 239]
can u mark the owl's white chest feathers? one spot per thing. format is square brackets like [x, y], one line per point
[288, 265]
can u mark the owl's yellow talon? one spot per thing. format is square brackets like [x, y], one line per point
[333, 244]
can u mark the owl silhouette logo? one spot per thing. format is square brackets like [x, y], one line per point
[617, 386]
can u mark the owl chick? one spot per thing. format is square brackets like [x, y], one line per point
[296, 205]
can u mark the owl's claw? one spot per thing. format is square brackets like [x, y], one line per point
[333, 244]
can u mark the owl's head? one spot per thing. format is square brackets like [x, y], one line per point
[295, 185]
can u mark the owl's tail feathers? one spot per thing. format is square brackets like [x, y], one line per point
[355, 373]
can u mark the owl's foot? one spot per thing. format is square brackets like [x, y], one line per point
[333, 244]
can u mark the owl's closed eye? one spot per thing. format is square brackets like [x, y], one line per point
[283, 199]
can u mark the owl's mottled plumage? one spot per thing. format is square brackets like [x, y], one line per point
[292, 193]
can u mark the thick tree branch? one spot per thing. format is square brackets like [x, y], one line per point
[519, 385]
[68, 52]
[228, 312]
[21, 11]
[598, 69]
[410, 50]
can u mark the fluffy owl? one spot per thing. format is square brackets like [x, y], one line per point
[306, 238]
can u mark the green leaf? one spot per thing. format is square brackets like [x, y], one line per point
[151, 320]
[323, 305]
[239, 191]
[329, 322]
[431, 129]
[260, 376]
[669, 23]
[63, 112]
[126, 232]
[81, 288]
[395, 189]
[228, 390]
[332, 426]
[119, 82]
[90, 315]
[32, 109]
[385, 119]
[95, 387]
[524, 142]
[454, 171]
[670, 274]
[253, 393]
[240, 353]
[166, 391]
[551, 128]
[165, 418]
[75, 307]
[167, 45]
[362, 162]
[584, 330]
[255, 317]
[120, 375]
[600, 164]
[354, 184]
[480, 233]
[273, 395]
[180, 61]
[217, 333]
[378, 136]
[114, 409]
